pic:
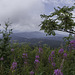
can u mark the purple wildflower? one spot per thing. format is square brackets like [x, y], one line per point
[37, 56]
[1, 58]
[53, 64]
[40, 50]
[61, 51]
[36, 61]
[52, 53]
[72, 43]
[58, 72]
[12, 49]
[50, 58]
[25, 62]
[14, 65]
[24, 55]
[65, 55]
[31, 73]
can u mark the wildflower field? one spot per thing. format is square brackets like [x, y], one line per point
[24, 60]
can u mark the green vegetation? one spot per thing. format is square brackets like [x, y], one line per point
[62, 19]
[21, 59]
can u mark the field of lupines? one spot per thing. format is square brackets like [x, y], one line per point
[24, 60]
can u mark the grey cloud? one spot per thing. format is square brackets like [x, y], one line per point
[59, 2]
[24, 14]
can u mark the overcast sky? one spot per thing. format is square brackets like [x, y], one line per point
[25, 14]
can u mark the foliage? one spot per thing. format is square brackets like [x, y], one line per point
[68, 39]
[61, 19]
[5, 40]
[23, 57]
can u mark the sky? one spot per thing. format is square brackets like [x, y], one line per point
[25, 14]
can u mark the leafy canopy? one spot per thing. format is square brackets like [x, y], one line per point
[61, 19]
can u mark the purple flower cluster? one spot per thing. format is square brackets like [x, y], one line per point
[58, 72]
[1, 58]
[50, 58]
[24, 55]
[72, 43]
[14, 65]
[53, 64]
[65, 55]
[12, 50]
[40, 50]
[37, 56]
[52, 53]
[25, 62]
[61, 51]
[31, 73]
[37, 59]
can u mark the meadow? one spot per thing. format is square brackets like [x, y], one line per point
[21, 59]
[24, 60]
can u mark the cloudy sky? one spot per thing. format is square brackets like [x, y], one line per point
[25, 14]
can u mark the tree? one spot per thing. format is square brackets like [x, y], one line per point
[5, 40]
[61, 19]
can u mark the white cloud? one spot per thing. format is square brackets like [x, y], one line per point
[24, 14]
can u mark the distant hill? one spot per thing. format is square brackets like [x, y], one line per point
[35, 34]
[35, 37]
